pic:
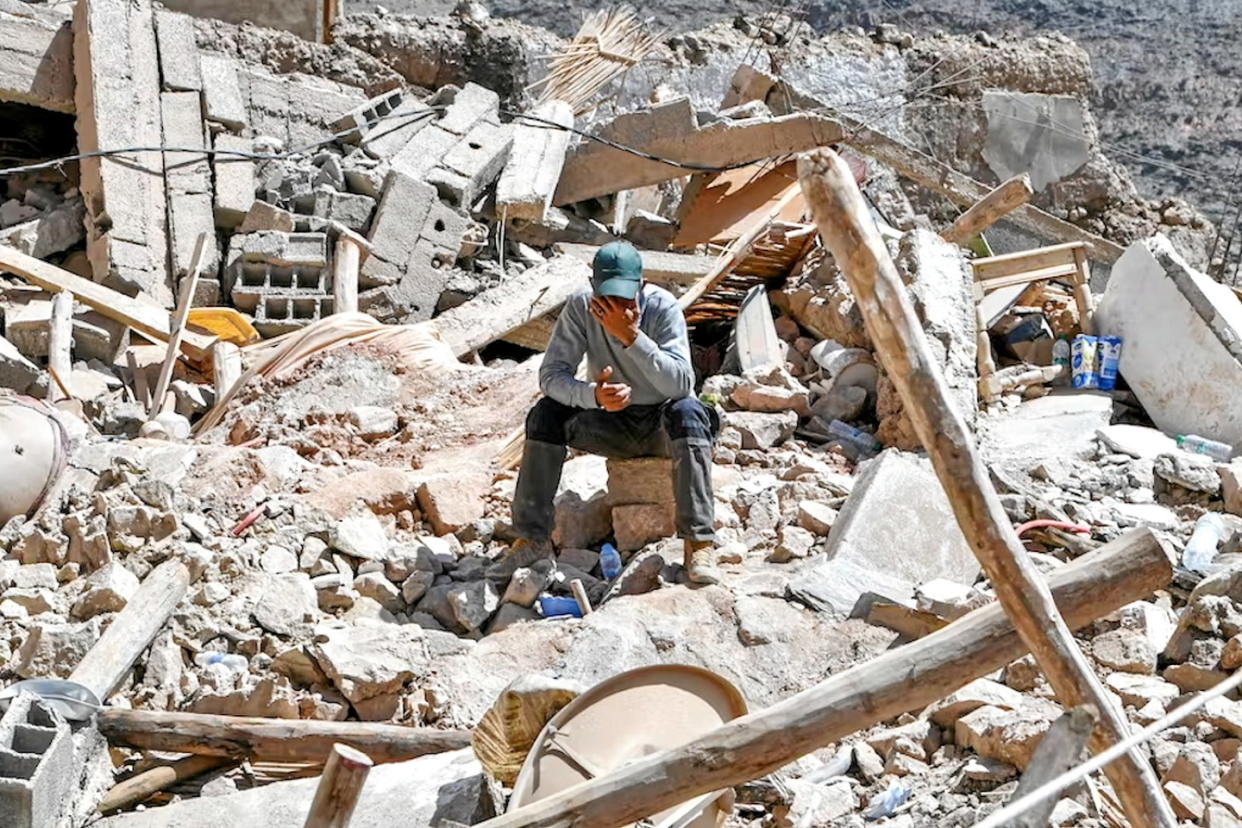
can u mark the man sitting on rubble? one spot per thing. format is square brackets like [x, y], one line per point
[641, 404]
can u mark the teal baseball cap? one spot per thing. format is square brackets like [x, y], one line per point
[617, 270]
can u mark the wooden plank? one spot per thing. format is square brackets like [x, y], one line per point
[1059, 750]
[1061, 255]
[60, 346]
[276, 740]
[339, 788]
[149, 320]
[226, 366]
[189, 284]
[535, 334]
[348, 255]
[142, 392]
[850, 234]
[143, 785]
[755, 332]
[899, 680]
[1056, 272]
[108, 662]
[990, 209]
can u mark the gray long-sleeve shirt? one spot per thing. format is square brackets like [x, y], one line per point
[657, 366]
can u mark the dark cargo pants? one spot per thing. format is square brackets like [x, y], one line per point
[679, 429]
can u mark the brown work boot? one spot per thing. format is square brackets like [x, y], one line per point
[700, 561]
[522, 553]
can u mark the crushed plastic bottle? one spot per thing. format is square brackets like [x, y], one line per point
[1061, 358]
[230, 661]
[885, 802]
[1201, 548]
[865, 443]
[609, 561]
[1215, 449]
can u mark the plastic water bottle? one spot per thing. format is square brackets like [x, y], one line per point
[864, 442]
[1209, 531]
[885, 802]
[609, 561]
[1061, 358]
[232, 661]
[1195, 444]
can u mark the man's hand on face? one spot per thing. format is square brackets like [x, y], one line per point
[619, 317]
[611, 396]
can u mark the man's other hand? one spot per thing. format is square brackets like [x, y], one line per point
[611, 396]
[619, 318]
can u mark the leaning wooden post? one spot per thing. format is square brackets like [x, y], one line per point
[60, 345]
[850, 235]
[990, 209]
[351, 249]
[339, 788]
[176, 328]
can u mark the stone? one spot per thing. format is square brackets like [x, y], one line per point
[53, 650]
[286, 603]
[640, 480]
[264, 216]
[1193, 677]
[868, 761]
[373, 422]
[360, 535]
[1196, 472]
[949, 599]
[32, 601]
[1183, 341]
[1186, 801]
[820, 803]
[583, 559]
[452, 502]
[35, 576]
[509, 615]
[897, 505]
[212, 592]
[416, 585]
[978, 693]
[1009, 736]
[107, 590]
[582, 515]
[1197, 766]
[1126, 650]
[473, 603]
[816, 517]
[278, 559]
[16, 372]
[1231, 658]
[377, 587]
[1140, 442]
[762, 620]
[760, 430]
[1231, 486]
[794, 543]
[847, 403]
[638, 524]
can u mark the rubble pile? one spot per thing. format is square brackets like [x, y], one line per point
[371, 240]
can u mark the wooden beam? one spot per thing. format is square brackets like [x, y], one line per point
[580, 595]
[851, 236]
[990, 209]
[60, 346]
[149, 320]
[143, 785]
[142, 392]
[271, 740]
[1059, 750]
[108, 662]
[900, 680]
[339, 788]
[350, 250]
[176, 327]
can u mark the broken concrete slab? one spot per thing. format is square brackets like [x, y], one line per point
[451, 790]
[1182, 333]
[36, 57]
[894, 532]
[222, 96]
[235, 182]
[188, 185]
[1062, 424]
[126, 239]
[1041, 135]
[671, 130]
[179, 69]
[534, 167]
[16, 372]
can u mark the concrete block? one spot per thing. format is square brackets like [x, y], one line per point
[26, 325]
[95, 336]
[117, 72]
[187, 184]
[289, 249]
[412, 299]
[444, 227]
[423, 154]
[360, 120]
[350, 209]
[16, 372]
[478, 158]
[470, 106]
[51, 232]
[534, 167]
[222, 96]
[1182, 332]
[404, 205]
[235, 182]
[894, 532]
[36, 57]
[174, 34]
[36, 765]
[1043, 135]
[640, 480]
[264, 216]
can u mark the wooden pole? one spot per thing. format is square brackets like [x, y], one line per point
[900, 680]
[60, 344]
[141, 786]
[271, 740]
[580, 595]
[350, 250]
[226, 366]
[990, 209]
[142, 392]
[1059, 750]
[849, 233]
[108, 662]
[339, 788]
[189, 283]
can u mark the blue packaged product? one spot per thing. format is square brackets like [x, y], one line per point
[1110, 361]
[609, 562]
[556, 605]
[1084, 362]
